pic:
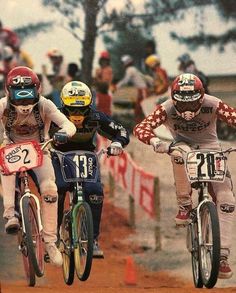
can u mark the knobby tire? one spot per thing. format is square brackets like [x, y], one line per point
[34, 239]
[28, 267]
[67, 249]
[83, 251]
[208, 213]
[193, 234]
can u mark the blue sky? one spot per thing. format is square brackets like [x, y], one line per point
[20, 12]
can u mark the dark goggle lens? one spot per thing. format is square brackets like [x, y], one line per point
[77, 110]
[23, 95]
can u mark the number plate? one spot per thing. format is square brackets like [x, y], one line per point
[78, 166]
[205, 166]
[20, 157]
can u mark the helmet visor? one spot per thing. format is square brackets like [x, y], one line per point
[23, 96]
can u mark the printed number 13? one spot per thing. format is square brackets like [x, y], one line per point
[78, 160]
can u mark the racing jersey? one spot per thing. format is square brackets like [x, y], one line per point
[27, 127]
[199, 131]
[133, 75]
[95, 122]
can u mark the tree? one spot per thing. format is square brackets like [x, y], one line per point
[126, 42]
[176, 9]
[86, 19]
[95, 17]
[27, 31]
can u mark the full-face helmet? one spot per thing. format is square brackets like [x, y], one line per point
[76, 99]
[127, 60]
[152, 60]
[187, 93]
[22, 89]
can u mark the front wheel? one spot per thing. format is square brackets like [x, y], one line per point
[83, 237]
[67, 249]
[34, 241]
[210, 244]
[28, 267]
[193, 247]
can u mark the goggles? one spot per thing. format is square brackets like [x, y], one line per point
[77, 111]
[23, 96]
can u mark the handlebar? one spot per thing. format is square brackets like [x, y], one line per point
[177, 148]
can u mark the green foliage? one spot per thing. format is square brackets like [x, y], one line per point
[128, 42]
[209, 40]
[29, 30]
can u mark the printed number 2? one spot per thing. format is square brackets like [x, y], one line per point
[77, 160]
[26, 161]
[210, 159]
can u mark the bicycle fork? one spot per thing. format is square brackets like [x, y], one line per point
[205, 198]
[28, 194]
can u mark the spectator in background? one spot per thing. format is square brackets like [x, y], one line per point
[11, 59]
[102, 81]
[187, 65]
[135, 77]
[159, 74]
[150, 49]
[59, 73]
[73, 72]
[8, 38]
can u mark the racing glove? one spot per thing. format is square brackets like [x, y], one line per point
[115, 149]
[159, 146]
[60, 138]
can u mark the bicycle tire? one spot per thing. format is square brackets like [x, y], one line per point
[34, 239]
[210, 248]
[28, 267]
[83, 236]
[192, 233]
[68, 266]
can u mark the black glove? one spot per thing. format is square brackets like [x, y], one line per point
[60, 138]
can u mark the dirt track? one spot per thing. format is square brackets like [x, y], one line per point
[171, 266]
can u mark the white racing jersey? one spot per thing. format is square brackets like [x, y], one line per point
[199, 131]
[25, 127]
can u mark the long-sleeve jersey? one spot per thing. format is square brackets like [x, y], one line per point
[201, 130]
[95, 122]
[26, 127]
[133, 75]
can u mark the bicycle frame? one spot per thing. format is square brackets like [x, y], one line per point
[79, 199]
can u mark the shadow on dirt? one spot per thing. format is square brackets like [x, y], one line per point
[10, 258]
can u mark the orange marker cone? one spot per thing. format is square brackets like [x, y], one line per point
[130, 272]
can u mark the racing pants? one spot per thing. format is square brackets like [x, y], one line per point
[46, 179]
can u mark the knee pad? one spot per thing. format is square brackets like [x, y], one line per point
[177, 155]
[95, 199]
[49, 198]
[227, 208]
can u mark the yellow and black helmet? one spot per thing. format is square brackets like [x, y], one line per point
[76, 99]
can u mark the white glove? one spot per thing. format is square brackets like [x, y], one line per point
[116, 148]
[159, 146]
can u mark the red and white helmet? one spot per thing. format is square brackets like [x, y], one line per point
[22, 88]
[187, 93]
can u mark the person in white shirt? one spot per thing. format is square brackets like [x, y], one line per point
[137, 79]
